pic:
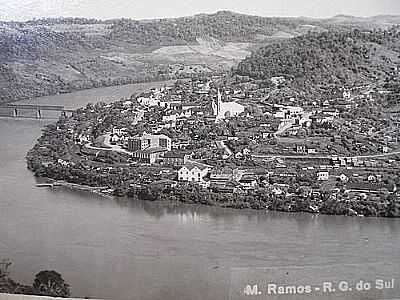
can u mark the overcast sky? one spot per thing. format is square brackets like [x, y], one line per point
[146, 9]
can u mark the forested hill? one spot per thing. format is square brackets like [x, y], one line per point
[51, 56]
[334, 57]
[223, 25]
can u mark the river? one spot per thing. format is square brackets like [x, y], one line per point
[119, 249]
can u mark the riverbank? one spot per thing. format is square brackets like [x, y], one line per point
[258, 200]
[50, 183]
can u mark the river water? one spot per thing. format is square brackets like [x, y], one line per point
[119, 249]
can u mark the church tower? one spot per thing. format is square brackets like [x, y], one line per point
[216, 105]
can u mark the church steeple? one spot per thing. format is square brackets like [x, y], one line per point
[216, 105]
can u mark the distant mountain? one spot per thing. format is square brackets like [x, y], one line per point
[335, 57]
[49, 56]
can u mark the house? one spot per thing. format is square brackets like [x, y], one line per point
[277, 80]
[190, 105]
[323, 176]
[229, 187]
[119, 131]
[248, 182]
[287, 112]
[175, 158]
[322, 118]
[311, 150]
[331, 112]
[221, 176]
[301, 148]
[193, 171]
[171, 117]
[170, 104]
[148, 101]
[114, 138]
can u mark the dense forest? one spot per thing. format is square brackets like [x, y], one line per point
[224, 25]
[329, 58]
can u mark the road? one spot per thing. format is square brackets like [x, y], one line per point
[109, 146]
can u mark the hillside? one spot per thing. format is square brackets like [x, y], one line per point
[50, 56]
[317, 60]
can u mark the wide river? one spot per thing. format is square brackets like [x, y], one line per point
[119, 249]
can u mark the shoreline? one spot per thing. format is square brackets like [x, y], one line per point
[74, 186]
[100, 192]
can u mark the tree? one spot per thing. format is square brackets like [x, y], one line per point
[50, 283]
[4, 265]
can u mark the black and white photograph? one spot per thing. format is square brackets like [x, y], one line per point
[200, 150]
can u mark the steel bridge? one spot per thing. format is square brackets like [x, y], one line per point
[17, 110]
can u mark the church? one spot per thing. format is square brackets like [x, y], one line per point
[223, 110]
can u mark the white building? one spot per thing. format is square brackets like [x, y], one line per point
[288, 112]
[194, 172]
[147, 141]
[148, 101]
[119, 131]
[222, 110]
[323, 176]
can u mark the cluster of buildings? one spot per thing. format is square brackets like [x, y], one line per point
[176, 118]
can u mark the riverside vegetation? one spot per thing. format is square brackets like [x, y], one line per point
[46, 283]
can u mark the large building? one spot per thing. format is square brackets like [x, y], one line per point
[150, 155]
[149, 147]
[147, 141]
[223, 110]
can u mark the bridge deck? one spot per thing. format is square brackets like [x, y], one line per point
[34, 107]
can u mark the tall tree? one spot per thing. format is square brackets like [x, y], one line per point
[50, 283]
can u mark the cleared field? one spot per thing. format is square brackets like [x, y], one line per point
[207, 47]
[89, 29]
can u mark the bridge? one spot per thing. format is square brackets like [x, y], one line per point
[19, 111]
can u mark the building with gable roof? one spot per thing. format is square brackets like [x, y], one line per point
[193, 171]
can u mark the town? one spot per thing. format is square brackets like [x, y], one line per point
[235, 142]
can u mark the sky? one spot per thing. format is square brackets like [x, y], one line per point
[20, 10]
